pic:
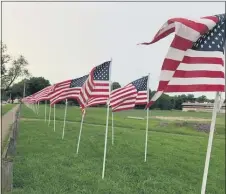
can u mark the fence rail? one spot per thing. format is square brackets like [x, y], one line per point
[9, 151]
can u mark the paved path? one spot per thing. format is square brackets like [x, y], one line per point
[7, 120]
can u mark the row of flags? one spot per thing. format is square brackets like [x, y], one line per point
[194, 63]
[95, 89]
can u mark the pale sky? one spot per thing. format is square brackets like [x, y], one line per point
[65, 40]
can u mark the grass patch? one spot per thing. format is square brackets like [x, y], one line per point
[47, 164]
[7, 108]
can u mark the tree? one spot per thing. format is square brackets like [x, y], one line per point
[115, 85]
[17, 68]
[191, 98]
[33, 85]
[201, 99]
[5, 58]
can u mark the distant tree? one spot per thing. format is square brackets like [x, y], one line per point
[201, 99]
[33, 85]
[5, 58]
[115, 85]
[11, 70]
[190, 98]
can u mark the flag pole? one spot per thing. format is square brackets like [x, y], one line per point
[54, 113]
[112, 121]
[112, 128]
[49, 113]
[24, 88]
[80, 132]
[38, 107]
[65, 113]
[106, 131]
[45, 110]
[210, 141]
[146, 137]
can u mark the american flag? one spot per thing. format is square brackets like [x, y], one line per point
[97, 101]
[194, 62]
[43, 94]
[58, 88]
[29, 100]
[96, 86]
[132, 94]
[70, 90]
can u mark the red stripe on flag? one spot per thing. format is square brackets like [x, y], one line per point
[193, 74]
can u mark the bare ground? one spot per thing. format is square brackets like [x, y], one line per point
[181, 118]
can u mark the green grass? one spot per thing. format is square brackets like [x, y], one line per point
[98, 116]
[47, 164]
[7, 108]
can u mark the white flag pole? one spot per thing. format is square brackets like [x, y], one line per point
[38, 106]
[210, 141]
[106, 131]
[45, 110]
[65, 113]
[54, 115]
[35, 107]
[80, 132]
[112, 128]
[49, 113]
[146, 137]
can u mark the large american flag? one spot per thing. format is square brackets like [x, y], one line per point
[130, 95]
[96, 86]
[195, 60]
[70, 90]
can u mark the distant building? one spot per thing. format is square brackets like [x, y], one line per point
[200, 107]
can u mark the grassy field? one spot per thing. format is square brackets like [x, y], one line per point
[47, 164]
[6, 108]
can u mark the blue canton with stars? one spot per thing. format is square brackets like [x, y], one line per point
[78, 82]
[141, 84]
[101, 72]
[213, 40]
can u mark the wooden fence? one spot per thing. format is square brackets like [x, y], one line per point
[8, 154]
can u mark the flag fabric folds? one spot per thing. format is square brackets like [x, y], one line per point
[194, 62]
[43, 94]
[96, 86]
[68, 89]
[29, 100]
[130, 95]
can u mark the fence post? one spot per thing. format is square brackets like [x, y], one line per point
[11, 147]
[7, 175]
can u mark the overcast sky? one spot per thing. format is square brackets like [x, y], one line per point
[65, 40]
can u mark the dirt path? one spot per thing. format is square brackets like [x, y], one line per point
[181, 118]
[7, 120]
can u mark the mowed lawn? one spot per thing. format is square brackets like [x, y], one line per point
[6, 108]
[47, 164]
